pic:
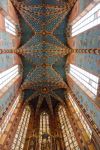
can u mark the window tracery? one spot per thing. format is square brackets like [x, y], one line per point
[89, 80]
[9, 115]
[67, 131]
[44, 132]
[80, 116]
[8, 76]
[10, 27]
[88, 21]
[19, 139]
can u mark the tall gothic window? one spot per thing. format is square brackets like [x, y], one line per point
[10, 26]
[9, 76]
[89, 80]
[5, 122]
[88, 21]
[67, 131]
[19, 139]
[80, 116]
[44, 131]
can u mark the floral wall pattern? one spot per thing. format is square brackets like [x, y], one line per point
[88, 62]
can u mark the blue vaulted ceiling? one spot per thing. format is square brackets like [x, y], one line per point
[43, 36]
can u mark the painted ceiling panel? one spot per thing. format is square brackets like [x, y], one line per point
[44, 49]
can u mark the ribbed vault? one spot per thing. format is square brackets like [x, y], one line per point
[43, 50]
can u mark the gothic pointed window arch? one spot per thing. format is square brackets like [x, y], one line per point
[67, 131]
[20, 136]
[44, 131]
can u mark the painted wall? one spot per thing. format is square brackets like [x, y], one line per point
[92, 109]
[4, 4]
[88, 62]
[7, 61]
[8, 41]
[8, 97]
[89, 38]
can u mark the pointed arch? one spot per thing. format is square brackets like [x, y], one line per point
[67, 131]
[44, 131]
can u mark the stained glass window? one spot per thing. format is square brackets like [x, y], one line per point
[10, 27]
[80, 116]
[8, 76]
[89, 80]
[88, 21]
[19, 140]
[9, 115]
[44, 131]
[67, 131]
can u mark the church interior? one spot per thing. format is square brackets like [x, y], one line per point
[49, 74]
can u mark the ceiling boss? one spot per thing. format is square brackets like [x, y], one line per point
[43, 49]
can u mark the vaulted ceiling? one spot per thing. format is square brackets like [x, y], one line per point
[44, 51]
